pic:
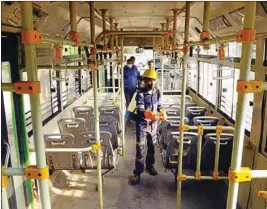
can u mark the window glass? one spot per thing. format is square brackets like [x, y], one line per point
[192, 76]
[86, 81]
[227, 89]
[201, 73]
[8, 105]
[249, 110]
[54, 91]
[205, 80]
[211, 84]
[45, 97]
[235, 50]
[212, 50]
[69, 92]
[207, 83]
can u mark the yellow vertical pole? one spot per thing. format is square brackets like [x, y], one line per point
[31, 67]
[104, 11]
[116, 37]
[122, 101]
[206, 16]
[162, 39]
[175, 14]
[242, 102]
[181, 139]
[111, 29]
[97, 131]
[167, 29]
[73, 14]
[111, 46]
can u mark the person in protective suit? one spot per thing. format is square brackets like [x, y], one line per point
[149, 109]
[131, 77]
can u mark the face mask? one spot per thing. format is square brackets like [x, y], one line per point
[130, 65]
[148, 85]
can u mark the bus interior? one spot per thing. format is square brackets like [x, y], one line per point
[66, 142]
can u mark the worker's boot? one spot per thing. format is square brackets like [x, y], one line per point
[152, 171]
[133, 180]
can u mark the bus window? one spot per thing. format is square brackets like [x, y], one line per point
[227, 89]
[193, 77]
[45, 97]
[207, 86]
[249, 110]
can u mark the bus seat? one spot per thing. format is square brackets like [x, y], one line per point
[170, 155]
[172, 126]
[205, 121]
[192, 112]
[208, 151]
[72, 125]
[108, 156]
[173, 111]
[114, 111]
[190, 105]
[107, 123]
[83, 112]
[61, 160]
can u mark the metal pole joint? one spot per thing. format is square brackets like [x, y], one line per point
[185, 48]
[96, 147]
[215, 175]
[30, 37]
[74, 36]
[200, 130]
[4, 178]
[32, 172]
[251, 86]
[204, 36]
[198, 175]
[58, 52]
[181, 177]
[218, 131]
[246, 36]
[221, 52]
[184, 128]
[23, 87]
[244, 175]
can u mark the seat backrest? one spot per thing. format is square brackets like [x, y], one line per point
[60, 160]
[112, 110]
[172, 125]
[107, 152]
[107, 124]
[84, 112]
[208, 151]
[173, 111]
[205, 121]
[192, 112]
[190, 105]
[72, 125]
[189, 149]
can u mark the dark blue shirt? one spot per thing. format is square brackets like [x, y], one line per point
[147, 101]
[131, 76]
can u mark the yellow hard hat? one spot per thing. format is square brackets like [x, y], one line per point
[151, 73]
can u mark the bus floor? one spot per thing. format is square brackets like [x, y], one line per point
[76, 190]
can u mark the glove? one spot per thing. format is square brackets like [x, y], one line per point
[162, 114]
[150, 115]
